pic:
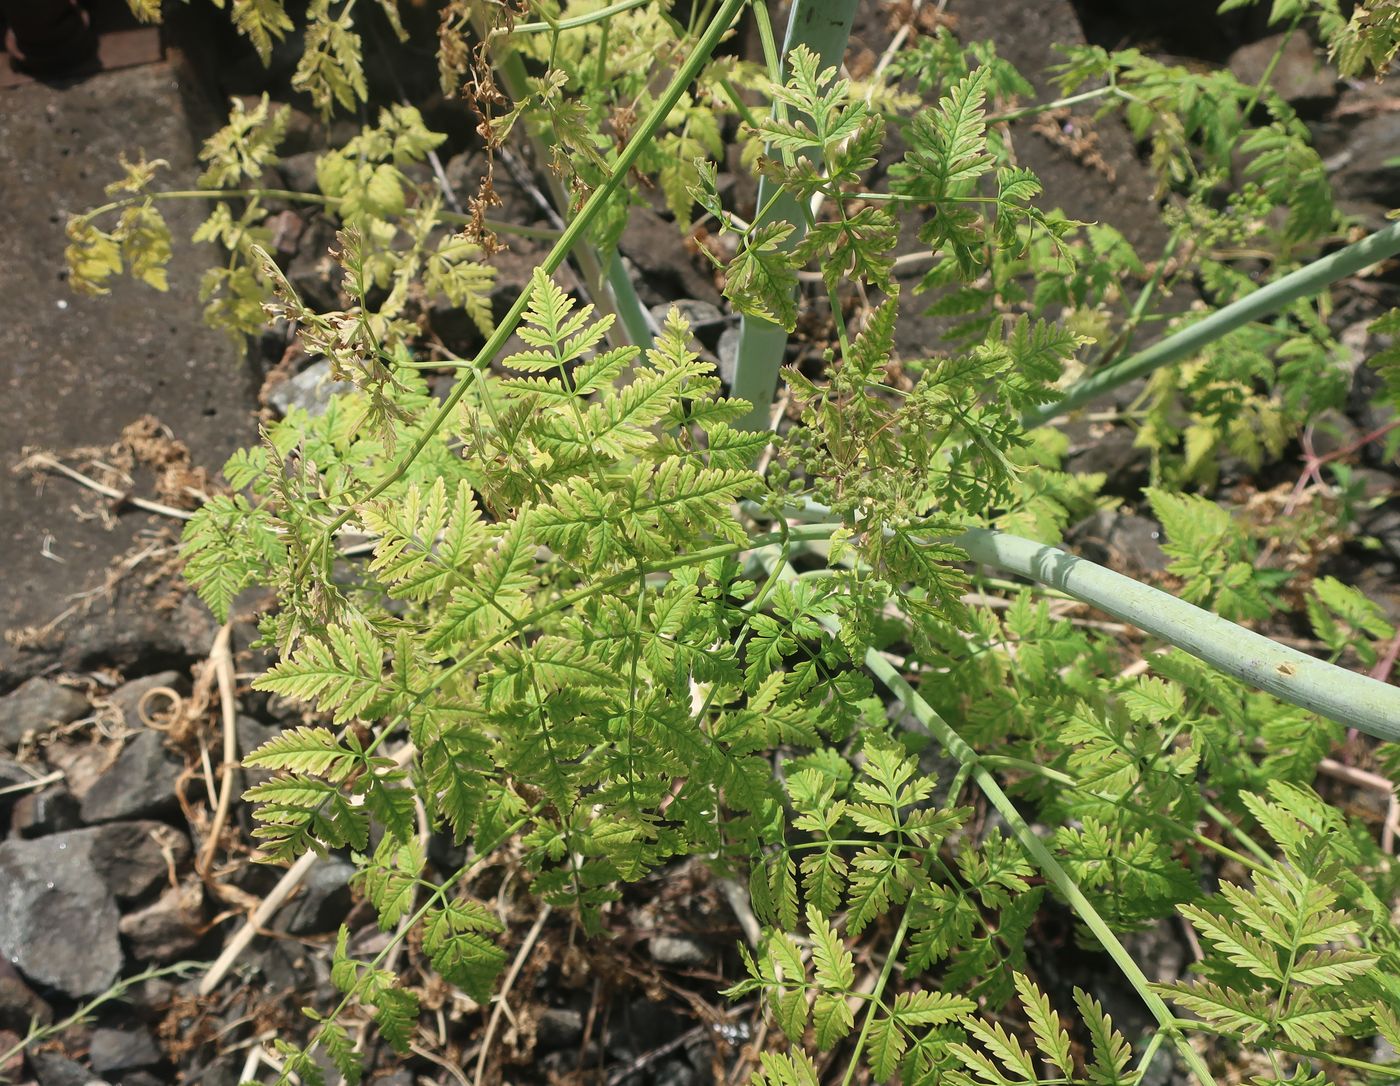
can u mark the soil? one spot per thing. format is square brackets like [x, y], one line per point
[79, 369]
[102, 644]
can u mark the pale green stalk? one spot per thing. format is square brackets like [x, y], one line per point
[38, 1033]
[1289, 675]
[1264, 302]
[824, 26]
[1292, 676]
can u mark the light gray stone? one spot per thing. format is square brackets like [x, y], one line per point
[678, 950]
[1301, 76]
[311, 390]
[123, 1049]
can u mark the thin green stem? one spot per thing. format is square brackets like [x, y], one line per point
[573, 233]
[1138, 313]
[1036, 769]
[1226, 823]
[630, 327]
[740, 106]
[1387, 1070]
[1269, 69]
[41, 1033]
[576, 21]
[1148, 1054]
[415, 918]
[1039, 855]
[886, 971]
[1058, 103]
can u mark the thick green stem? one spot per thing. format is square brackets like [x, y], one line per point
[1345, 696]
[824, 26]
[1262, 303]
[1316, 685]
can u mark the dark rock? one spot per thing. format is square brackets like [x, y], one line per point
[1161, 951]
[252, 734]
[558, 1027]
[38, 706]
[299, 171]
[1124, 542]
[129, 858]
[1332, 430]
[11, 773]
[223, 1071]
[286, 228]
[641, 1026]
[19, 1005]
[654, 245]
[1139, 542]
[133, 857]
[728, 353]
[38, 814]
[140, 784]
[142, 1078]
[513, 269]
[1383, 523]
[1110, 450]
[11, 776]
[445, 854]
[124, 1049]
[324, 902]
[674, 1072]
[458, 332]
[51, 1069]
[128, 697]
[464, 173]
[1302, 77]
[312, 271]
[678, 950]
[10, 1068]
[1363, 174]
[169, 927]
[58, 919]
[696, 313]
[287, 967]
